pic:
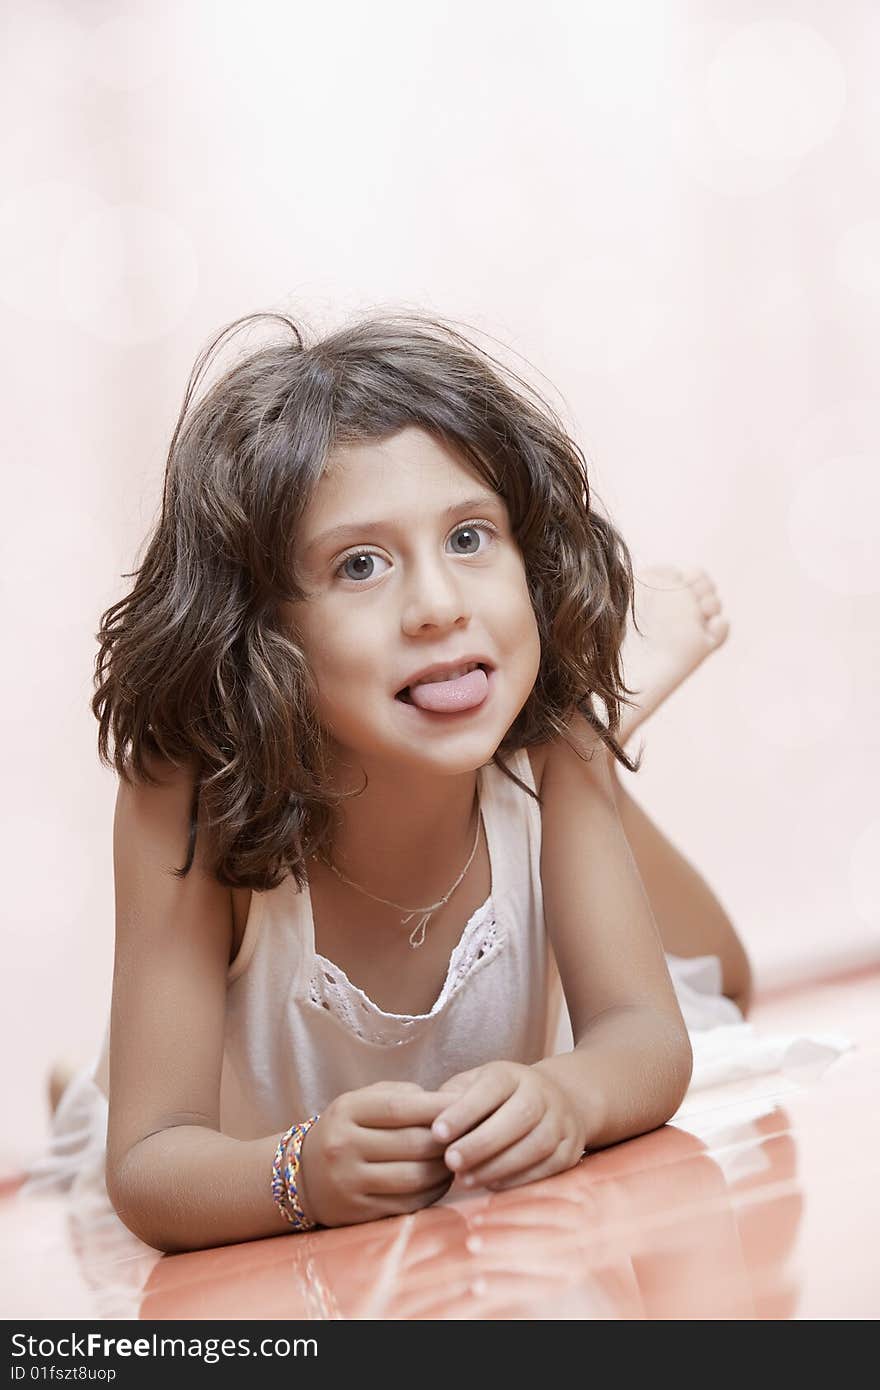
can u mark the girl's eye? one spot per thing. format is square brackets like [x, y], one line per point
[362, 562]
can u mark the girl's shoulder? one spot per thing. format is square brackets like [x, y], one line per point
[580, 736]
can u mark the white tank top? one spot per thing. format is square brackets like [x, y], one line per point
[299, 1032]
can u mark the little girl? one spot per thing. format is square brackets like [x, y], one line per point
[379, 922]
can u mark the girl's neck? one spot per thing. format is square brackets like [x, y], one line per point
[404, 836]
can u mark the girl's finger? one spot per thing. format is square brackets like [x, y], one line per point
[380, 1145]
[481, 1098]
[394, 1105]
[380, 1179]
[506, 1124]
[461, 1081]
[533, 1152]
[546, 1168]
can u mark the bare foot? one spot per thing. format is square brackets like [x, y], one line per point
[679, 613]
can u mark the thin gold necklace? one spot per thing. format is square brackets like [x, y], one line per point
[417, 935]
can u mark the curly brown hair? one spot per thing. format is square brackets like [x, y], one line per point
[196, 662]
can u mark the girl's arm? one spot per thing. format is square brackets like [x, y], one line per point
[632, 1059]
[173, 1178]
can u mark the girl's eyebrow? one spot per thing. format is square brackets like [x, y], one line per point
[338, 533]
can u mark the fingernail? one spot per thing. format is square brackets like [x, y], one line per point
[468, 1180]
[453, 1158]
[441, 1129]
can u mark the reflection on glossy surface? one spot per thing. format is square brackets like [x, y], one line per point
[758, 1202]
[623, 1235]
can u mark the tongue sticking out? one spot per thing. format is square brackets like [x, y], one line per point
[448, 696]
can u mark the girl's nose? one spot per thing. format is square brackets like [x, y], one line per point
[434, 597]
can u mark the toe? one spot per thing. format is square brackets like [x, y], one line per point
[718, 627]
[710, 604]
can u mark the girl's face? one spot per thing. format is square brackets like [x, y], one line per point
[409, 563]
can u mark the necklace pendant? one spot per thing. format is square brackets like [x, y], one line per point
[417, 935]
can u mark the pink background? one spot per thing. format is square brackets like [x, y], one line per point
[671, 210]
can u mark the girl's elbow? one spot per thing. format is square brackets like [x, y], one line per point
[137, 1214]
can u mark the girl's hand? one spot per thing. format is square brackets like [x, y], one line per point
[530, 1128]
[371, 1154]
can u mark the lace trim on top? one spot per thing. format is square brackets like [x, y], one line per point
[331, 989]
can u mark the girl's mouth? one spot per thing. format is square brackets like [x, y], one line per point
[462, 690]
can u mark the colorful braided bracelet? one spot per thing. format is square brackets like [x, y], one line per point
[285, 1171]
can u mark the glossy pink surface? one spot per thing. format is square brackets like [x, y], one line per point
[760, 1201]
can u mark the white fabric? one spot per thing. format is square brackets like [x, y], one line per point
[726, 1048]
